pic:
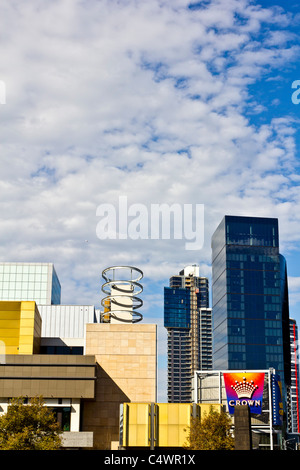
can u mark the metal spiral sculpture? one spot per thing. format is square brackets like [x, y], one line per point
[121, 301]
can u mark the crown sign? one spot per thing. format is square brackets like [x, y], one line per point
[244, 389]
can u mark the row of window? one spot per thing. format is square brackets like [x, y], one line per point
[37, 296]
[253, 258]
[269, 349]
[26, 285]
[255, 364]
[240, 289]
[242, 265]
[274, 299]
[255, 339]
[263, 315]
[25, 269]
[258, 325]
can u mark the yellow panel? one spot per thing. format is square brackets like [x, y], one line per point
[27, 322]
[184, 413]
[11, 350]
[205, 408]
[20, 326]
[9, 314]
[26, 332]
[10, 305]
[136, 424]
[174, 418]
[27, 314]
[28, 305]
[25, 349]
[26, 339]
[9, 323]
[173, 421]
[9, 332]
[11, 341]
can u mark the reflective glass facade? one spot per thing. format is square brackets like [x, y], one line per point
[177, 308]
[250, 298]
[30, 281]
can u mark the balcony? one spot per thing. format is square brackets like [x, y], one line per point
[77, 440]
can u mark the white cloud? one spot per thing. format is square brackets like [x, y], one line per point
[147, 100]
[144, 99]
[294, 294]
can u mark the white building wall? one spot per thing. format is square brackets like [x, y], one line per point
[65, 321]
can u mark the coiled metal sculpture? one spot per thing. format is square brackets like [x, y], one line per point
[122, 287]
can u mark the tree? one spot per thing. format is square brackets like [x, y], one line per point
[212, 432]
[29, 426]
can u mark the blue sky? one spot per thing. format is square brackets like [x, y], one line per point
[158, 101]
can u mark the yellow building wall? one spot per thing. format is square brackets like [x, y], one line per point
[170, 424]
[173, 421]
[20, 327]
[136, 423]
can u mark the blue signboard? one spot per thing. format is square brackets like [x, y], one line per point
[277, 405]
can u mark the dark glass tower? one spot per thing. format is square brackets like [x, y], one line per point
[188, 322]
[250, 297]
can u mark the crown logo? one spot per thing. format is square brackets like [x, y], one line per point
[244, 389]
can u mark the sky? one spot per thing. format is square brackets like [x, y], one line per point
[157, 102]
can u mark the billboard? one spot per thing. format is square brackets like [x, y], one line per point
[245, 388]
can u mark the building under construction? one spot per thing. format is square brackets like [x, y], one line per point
[187, 318]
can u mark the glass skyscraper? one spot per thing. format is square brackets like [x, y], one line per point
[250, 297]
[187, 319]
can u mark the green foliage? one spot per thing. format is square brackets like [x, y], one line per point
[212, 432]
[29, 426]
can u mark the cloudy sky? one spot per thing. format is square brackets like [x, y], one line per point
[156, 102]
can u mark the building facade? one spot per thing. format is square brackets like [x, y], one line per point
[187, 319]
[250, 297]
[63, 381]
[294, 418]
[63, 327]
[83, 368]
[126, 358]
[30, 281]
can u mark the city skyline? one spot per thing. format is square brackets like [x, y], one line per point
[160, 102]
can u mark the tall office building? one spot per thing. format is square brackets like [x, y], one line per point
[30, 281]
[294, 419]
[250, 297]
[187, 319]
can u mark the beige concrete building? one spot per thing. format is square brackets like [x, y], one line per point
[126, 357]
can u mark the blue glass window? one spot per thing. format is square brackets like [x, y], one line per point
[176, 308]
[250, 303]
